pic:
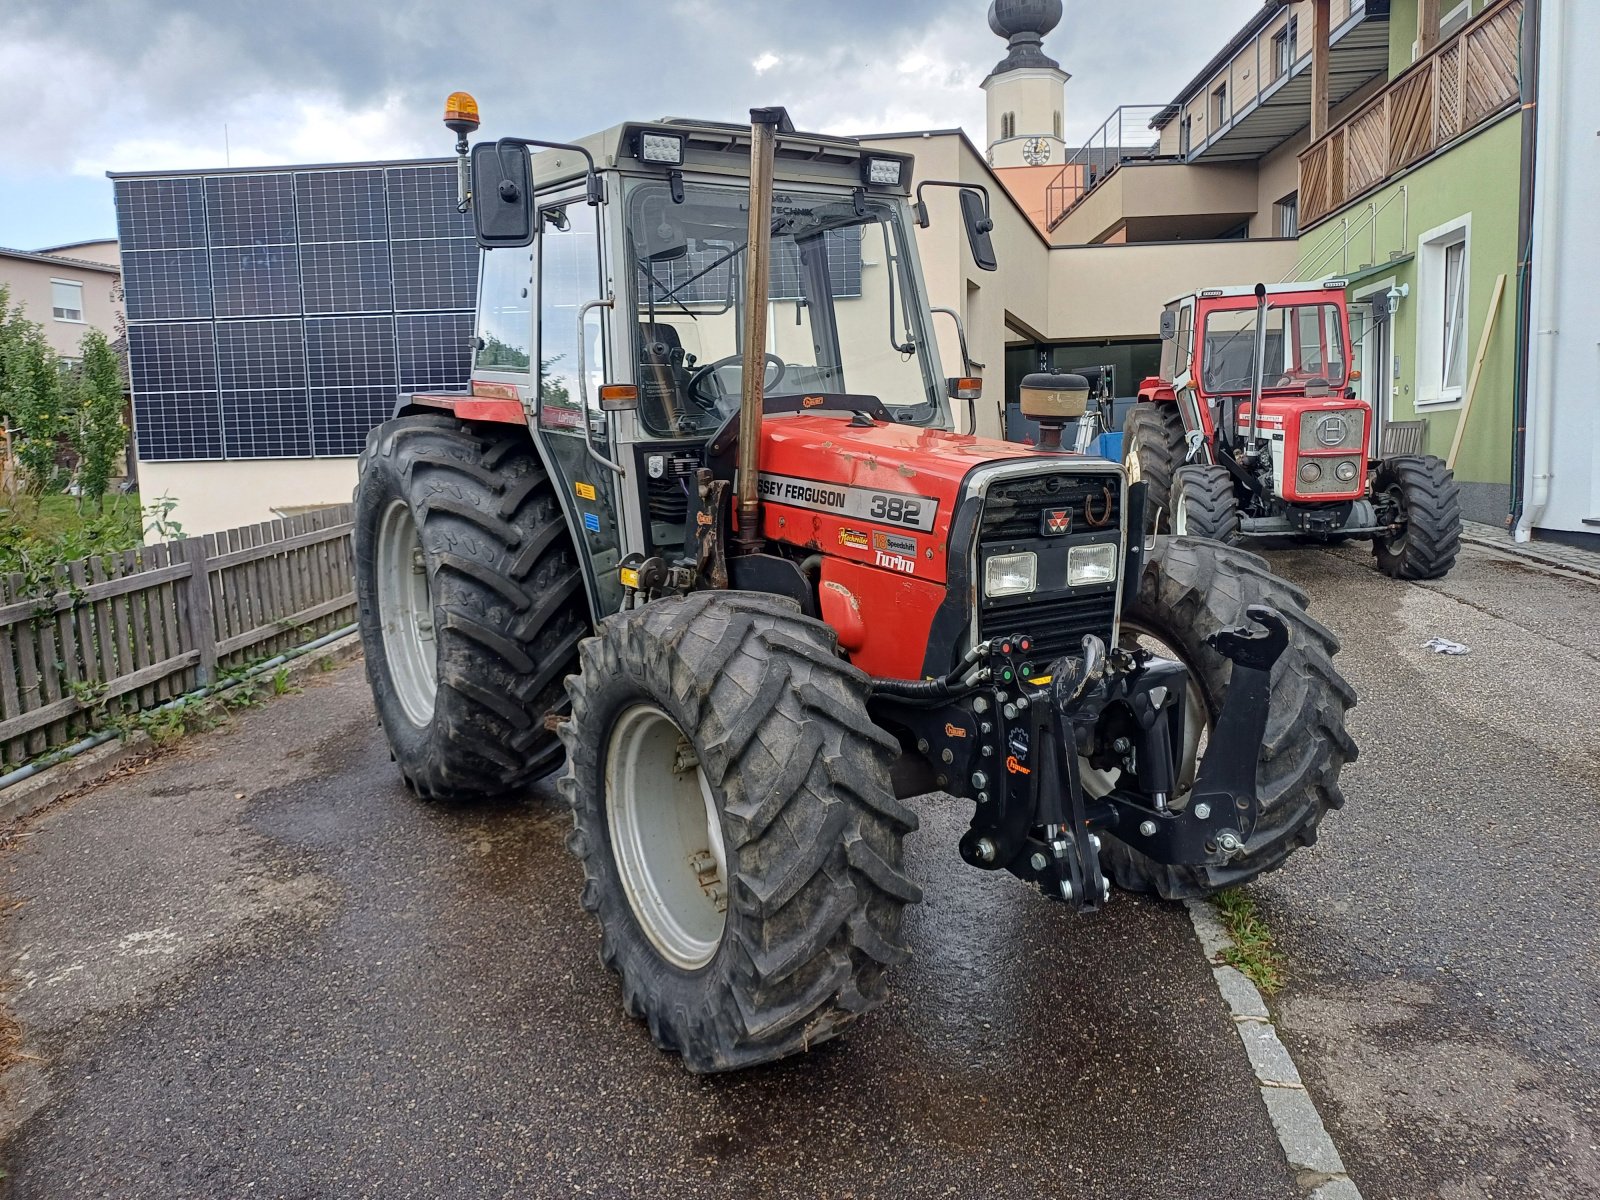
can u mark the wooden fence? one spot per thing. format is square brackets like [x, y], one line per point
[131, 630]
[1452, 91]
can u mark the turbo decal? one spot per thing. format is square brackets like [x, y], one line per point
[896, 562]
[893, 508]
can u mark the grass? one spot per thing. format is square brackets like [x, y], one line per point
[1253, 953]
[58, 516]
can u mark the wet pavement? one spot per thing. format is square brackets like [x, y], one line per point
[257, 966]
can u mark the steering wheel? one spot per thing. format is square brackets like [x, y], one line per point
[704, 373]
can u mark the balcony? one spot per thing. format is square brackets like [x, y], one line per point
[1126, 136]
[1463, 84]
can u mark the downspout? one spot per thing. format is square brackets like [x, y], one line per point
[1540, 401]
[1530, 161]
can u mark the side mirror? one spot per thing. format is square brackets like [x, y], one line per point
[978, 224]
[502, 195]
[1169, 325]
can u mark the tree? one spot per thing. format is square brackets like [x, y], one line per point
[36, 400]
[101, 434]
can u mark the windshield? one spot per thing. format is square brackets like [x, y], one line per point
[1305, 343]
[842, 314]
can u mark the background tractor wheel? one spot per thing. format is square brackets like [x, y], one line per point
[1190, 589]
[1425, 492]
[1153, 448]
[1204, 504]
[740, 841]
[471, 604]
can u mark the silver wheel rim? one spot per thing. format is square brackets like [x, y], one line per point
[1130, 462]
[405, 609]
[1180, 515]
[1196, 727]
[666, 837]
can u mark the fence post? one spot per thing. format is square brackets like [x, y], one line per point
[202, 627]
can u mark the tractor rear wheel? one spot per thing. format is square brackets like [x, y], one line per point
[1152, 449]
[1191, 589]
[1204, 504]
[470, 604]
[1424, 492]
[740, 840]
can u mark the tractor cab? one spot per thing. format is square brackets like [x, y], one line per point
[1253, 430]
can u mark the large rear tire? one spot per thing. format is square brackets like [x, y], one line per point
[1191, 589]
[1425, 492]
[740, 840]
[470, 602]
[1204, 504]
[1152, 449]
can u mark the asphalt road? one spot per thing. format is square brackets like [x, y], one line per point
[257, 966]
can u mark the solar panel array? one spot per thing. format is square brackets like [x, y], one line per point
[279, 314]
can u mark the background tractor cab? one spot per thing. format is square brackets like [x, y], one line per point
[1253, 430]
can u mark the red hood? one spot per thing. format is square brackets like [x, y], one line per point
[904, 463]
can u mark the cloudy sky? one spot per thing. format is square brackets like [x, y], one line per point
[88, 86]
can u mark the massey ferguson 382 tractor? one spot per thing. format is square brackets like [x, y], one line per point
[1253, 431]
[701, 532]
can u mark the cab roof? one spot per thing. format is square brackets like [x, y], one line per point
[1249, 292]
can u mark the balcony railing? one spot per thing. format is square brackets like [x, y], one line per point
[1461, 85]
[1126, 136]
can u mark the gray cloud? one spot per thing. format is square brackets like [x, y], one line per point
[545, 68]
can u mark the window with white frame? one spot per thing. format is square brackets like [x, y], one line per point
[66, 300]
[1288, 210]
[1285, 47]
[1453, 346]
[1444, 287]
[1219, 107]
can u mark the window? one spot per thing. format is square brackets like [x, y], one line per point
[1185, 134]
[1008, 126]
[1058, 125]
[505, 328]
[1455, 316]
[1304, 342]
[1285, 47]
[1455, 20]
[1288, 213]
[569, 271]
[1444, 286]
[1219, 107]
[66, 300]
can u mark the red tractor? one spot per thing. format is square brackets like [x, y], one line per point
[1253, 430]
[702, 534]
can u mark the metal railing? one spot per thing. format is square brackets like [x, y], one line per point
[1126, 136]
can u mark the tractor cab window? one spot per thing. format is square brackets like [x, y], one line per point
[1305, 347]
[843, 313]
[505, 311]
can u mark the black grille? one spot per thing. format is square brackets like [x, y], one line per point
[1013, 507]
[1013, 510]
[1057, 625]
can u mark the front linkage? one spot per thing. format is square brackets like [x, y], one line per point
[1015, 746]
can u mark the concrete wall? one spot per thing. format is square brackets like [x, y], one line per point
[29, 284]
[1169, 192]
[222, 495]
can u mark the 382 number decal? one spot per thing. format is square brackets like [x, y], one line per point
[897, 510]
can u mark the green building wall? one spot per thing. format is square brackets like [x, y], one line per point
[1478, 177]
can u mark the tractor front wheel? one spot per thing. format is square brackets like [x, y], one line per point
[1152, 449]
[1204, 504]
[1422, 491]
[1191, 589]
[470, 604]
[740, 839]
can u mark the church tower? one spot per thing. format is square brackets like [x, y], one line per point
[1027, 90]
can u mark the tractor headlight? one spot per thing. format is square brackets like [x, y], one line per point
[1088, 565]
[661, 149]
[1010, 574]
[1346, 471]
[1310, 471]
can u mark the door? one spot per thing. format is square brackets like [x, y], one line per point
[1375, 340]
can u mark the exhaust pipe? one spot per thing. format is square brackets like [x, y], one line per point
[1260, 364]
[764, 126]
